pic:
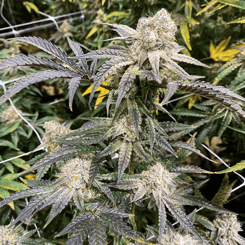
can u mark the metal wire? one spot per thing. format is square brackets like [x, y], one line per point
[1, 13]
[44, 20]
[49, 18]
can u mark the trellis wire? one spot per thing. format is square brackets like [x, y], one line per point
[49, 18]
[25, 154]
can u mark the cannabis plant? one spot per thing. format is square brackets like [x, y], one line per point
[113, 167]
[10, 235]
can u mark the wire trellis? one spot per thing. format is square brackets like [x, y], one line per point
[70, 17]
[55, 22]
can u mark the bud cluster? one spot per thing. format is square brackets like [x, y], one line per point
[175, 238]
[8, 236]
[10, 115]
[53, 131]
[76, 172]
[228, 228]
[156, 30]
[160, 179]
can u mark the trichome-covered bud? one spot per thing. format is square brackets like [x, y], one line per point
[53, 131]
[8, 235]
[76, 172]
[10, 115]
[227, 229]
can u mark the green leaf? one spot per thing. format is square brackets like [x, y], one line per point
[237, 129]
[117, 14]
[9, 128]
[4, 193]
[139, 150]
[226, 71]
[42, 171]
[225, 122]
[237, 167]
[193, 200]
[205, 222]
[224, 192]
[12, 185]
[188, 10]
[1, 171]
[9, 166]
[110, 149]
[20, 163]
[8, 144]
[187, 112]
[97, 235]
[233, 3]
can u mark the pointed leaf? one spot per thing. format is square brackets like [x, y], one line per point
[31, 79]
[50, 48]
[237, 167]
[124, 158]
[151, 131]
[73, 85]
[186, 35]
[134, 114]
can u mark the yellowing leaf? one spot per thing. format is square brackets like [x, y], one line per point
[29, 6]
[20, 163]
[103, 91]
[238, 166]
[11, 204]
[158, 103]
[218, 53]
[233, 3]
[185, 52]
[93, 30]
[186, 35]
[188, 10]
[88, 90]
[240, 20]
[193, 99]
[136, 72]
[194, 22]
[209, 5]
[118, 14]
[103, 2]
[30, 176]
[218, 7]
[4, 194]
